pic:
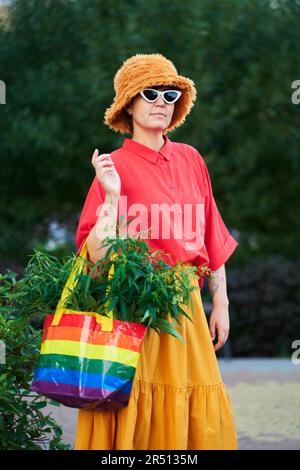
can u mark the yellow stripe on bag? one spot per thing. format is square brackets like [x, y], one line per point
[90, 351]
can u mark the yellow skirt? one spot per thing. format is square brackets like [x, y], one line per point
[178, 400]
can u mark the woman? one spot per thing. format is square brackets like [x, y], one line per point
[178, 399]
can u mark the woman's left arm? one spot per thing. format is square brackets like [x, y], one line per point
[219, 318]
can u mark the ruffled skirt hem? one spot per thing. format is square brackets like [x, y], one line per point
[190, 418]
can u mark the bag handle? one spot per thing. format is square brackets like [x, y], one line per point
[105, 321]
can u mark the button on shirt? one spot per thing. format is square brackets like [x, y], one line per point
[169, 195]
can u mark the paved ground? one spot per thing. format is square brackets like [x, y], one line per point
[265, 399]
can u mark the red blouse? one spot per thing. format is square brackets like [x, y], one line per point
[170, 192]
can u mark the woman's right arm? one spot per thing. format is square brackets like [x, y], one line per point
[106, 223]
[104, 227]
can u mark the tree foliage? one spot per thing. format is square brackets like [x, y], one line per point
[58, 59]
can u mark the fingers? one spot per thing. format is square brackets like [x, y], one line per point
[102, 161]
[103, 157]
[213, 330]
[222, 338]
[95, 154]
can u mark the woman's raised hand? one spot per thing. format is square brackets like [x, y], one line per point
[106, 172]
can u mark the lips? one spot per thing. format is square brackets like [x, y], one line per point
[158, 114]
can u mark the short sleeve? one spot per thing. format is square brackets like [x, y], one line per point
[218, 241]
[89, 215]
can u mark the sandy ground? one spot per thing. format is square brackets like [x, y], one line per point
[265, 399]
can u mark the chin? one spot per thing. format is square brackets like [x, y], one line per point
[158, 128]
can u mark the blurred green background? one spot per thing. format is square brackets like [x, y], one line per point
[58, 59]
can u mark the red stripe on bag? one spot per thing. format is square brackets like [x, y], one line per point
[81, 320]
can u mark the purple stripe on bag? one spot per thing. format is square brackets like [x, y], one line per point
[92, 404]
[74, 396]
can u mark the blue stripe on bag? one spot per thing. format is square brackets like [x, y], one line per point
[87, 379]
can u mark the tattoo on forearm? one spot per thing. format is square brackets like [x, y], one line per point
[215, 279]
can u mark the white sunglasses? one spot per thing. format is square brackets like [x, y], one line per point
[169, 96]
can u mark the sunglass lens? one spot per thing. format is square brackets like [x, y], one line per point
[151, 95]
[171, 96]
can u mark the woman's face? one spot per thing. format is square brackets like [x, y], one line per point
[144, 114]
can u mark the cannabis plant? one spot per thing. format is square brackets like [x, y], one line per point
[143, 287]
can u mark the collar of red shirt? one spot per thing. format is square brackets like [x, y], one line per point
[147, 152]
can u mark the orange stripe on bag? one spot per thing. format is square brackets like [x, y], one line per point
[85, 335]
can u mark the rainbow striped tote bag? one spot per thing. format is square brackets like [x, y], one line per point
[87, 360]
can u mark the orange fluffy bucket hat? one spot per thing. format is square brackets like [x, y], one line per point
[142, 71]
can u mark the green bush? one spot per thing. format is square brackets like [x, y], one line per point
[22, 422]
[264, 300]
